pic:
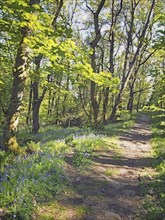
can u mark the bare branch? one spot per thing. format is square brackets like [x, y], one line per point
[144, 89]
[121, 5]
[59, 6]
[144, 61]
[89, 7]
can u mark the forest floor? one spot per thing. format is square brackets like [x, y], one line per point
[111, 187]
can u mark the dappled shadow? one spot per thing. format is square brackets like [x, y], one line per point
[113, 193]
[100, 196]
[136, 137]
[95, 194]
[140, 132]
[119, 193]
[123, 161]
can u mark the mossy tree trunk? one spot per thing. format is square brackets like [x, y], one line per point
[13, 112]
[19, 78]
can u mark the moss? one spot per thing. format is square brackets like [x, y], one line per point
[13, 146]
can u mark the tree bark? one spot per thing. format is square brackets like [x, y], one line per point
[131, 100]
[36, 99]
[28, 118]
[19, 78]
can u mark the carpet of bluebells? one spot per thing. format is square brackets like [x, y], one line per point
[29, 179]
[38, 175]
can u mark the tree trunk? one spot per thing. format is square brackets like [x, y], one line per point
[49, 104]
[36, 99]
[138, 102]
[65, 98]
[130, 101]
[129, 64]
[115, 107]
[131, 92]
[94, 103]
[19, 78]
[105, 104]
[111, 53]
[28, 118]
[13, 112]
[36, 106]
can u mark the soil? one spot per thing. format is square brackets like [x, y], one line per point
[116, 194]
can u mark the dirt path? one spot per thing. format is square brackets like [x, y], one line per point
[110, 189]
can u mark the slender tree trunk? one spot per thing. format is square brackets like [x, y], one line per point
[138, 102]
[28, 118]
[130, 101]
[128, 69]
[111, 53]
[36, 106]
[49, 103]
[94, 101]
[105, 104]
[115, 107]
[84, 103]
[65, 98]
[53, 103]
[57, 108]
[131, 91]
[36, 99]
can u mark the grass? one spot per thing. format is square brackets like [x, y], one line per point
[154, 205]
[111, 171]
[56, 210]
[30, 181]
[114, 129]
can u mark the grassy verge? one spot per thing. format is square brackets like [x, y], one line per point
[155, 199]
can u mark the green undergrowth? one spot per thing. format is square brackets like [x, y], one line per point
[116, 128]
[28, 180]
[31, 180]
[155, 199]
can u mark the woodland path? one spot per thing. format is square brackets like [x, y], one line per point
[111, 187]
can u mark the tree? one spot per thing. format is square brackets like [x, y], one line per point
[37, 100]
[19, 75]
[130, 59]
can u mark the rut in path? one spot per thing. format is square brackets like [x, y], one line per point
[115, 196]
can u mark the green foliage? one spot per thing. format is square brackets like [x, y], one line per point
[123, 115]
[155, 199]
[117, 128]
[84, 147]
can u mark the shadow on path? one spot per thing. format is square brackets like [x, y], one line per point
[115, 196]
[122, 161]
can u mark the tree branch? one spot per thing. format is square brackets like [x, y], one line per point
[144, 61]
[121, 6]
[89, 7]
[59, 6]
